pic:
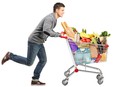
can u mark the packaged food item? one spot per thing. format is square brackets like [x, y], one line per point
[87, 56]
[98, 58]
[82, 56]
[104, 57]
[73, 45]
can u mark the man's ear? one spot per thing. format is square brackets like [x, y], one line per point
[57, 10]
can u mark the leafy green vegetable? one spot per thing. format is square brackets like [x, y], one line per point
[105, 34]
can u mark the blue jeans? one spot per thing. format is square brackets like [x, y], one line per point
[33, 50]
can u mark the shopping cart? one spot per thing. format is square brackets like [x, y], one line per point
[82, 55]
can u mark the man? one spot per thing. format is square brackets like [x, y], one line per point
[35, 43]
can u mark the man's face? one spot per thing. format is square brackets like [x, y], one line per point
[60, 11]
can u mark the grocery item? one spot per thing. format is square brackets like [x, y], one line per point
[85, 39]
[103, 58]
[68, 30]
[94, 40]
[103, 37]
[74, 29]
[98, 58]
[94, 51]
[103, 40]
[82, 56]
[73, 46]
[105, 34]
[83, 34]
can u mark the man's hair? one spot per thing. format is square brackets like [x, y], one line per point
[57, 6]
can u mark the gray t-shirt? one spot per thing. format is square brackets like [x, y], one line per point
[44, 29]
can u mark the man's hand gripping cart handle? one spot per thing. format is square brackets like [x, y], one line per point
[63, 35]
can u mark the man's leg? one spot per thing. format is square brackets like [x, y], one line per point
[42, 61]
[31, 54]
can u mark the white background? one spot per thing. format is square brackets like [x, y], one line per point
[18, 18]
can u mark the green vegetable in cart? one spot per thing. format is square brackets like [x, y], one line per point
[74, 29]
[105, 34]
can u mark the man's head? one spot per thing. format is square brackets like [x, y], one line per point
[59, 9]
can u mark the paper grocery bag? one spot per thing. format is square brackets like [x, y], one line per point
[68, 30]
[94, 51]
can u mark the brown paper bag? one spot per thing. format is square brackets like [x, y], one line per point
[94, 51]
[68, 30]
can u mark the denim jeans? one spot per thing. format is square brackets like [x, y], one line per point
[33, 50]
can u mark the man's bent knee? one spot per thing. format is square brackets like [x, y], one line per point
[29, 63]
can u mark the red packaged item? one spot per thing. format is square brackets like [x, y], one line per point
[98, 58]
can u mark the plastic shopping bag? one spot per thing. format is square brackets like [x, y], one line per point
[82, 56]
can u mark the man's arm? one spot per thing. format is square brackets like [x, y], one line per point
[47, 28]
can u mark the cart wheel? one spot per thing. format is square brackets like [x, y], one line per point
[99, 76]
[100, 81]
[67, 73]
[65, 82]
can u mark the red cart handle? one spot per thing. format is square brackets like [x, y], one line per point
[63, 35]
[63, 32]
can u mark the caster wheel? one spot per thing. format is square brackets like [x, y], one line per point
[99, 76]
[65, 82]
[67, 73]
[100, 81]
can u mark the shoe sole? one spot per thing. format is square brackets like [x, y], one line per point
[8, 53]
[38, 84]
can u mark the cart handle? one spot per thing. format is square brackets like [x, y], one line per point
[63, 35]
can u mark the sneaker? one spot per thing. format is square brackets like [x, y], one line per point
[37, 83]
[6, 58]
